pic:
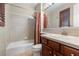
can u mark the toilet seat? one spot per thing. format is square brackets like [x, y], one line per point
[37, 46]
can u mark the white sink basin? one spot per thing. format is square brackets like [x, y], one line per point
[54, 35]
[62, 37]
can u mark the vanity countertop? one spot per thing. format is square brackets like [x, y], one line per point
[63, 39]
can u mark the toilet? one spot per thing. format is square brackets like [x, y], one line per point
[37, 49]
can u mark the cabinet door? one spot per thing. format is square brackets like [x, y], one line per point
[55, 53]
[53, 45]
[68, 51]
[46, 51]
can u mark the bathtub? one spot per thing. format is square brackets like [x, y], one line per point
[19, 48]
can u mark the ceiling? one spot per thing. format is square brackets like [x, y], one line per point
[52, 6]
[25, 5]
[56, 6]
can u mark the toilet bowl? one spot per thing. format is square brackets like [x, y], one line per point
[37, 49]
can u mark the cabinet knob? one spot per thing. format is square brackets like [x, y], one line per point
[50, 52]
[54, 54]
[72, 54]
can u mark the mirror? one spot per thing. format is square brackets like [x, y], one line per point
[62, 14]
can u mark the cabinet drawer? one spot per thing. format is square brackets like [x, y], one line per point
[68, 51]
[44, 40]
[53, 45]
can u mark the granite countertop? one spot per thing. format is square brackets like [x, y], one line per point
[63, 39]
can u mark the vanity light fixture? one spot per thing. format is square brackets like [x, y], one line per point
[47, 5]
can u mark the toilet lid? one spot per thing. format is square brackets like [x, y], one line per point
[37, 46]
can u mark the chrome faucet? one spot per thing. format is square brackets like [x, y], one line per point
[64, 32]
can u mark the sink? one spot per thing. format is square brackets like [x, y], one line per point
[59, 36]
[56, 36]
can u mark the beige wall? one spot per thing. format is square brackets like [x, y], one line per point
[38, 7]
[76, 15]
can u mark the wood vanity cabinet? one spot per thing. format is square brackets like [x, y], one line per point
[52, 48]
[46, 51]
